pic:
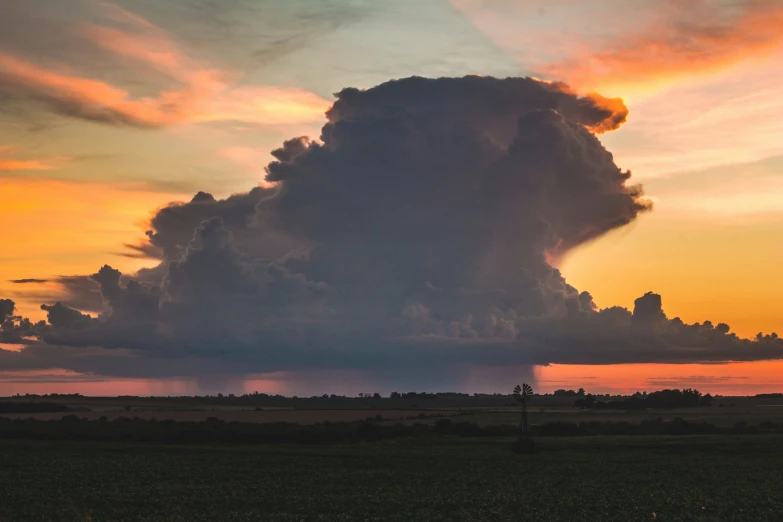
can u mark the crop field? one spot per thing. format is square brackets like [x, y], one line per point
[484, 411]
[248, 415]
[482, 417]
[729, 416]
[694, 478]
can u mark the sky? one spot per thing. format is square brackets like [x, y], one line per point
[366, 270]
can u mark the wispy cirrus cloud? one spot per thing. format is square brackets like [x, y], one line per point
[641, 44]
[8, 161]
[12, 164]
[693, 38]
[202, 93]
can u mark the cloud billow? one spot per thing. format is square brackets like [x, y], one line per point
[7, 308]
[420, 231]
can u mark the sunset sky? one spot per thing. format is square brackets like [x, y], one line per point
[110, 110]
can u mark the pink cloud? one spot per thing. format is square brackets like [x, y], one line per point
[693, 39]
[639, 44]
[202, 94]
[9, 163]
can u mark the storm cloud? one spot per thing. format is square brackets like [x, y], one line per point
[15, 329]
[420, 231]
[7, 308]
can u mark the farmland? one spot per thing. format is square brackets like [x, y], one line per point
[588, 479]
[493, 410]
[407, 459]
[239, 415]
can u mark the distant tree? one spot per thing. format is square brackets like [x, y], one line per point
[687, 398]
[587, 402]
[706, 401]
[376, 395]
[395, 395]
[691, 397]
[580, 392]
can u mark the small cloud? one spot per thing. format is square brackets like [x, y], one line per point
[141, 250]
[10, 163]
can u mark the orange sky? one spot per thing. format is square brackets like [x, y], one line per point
[723, 379]
[60, 228]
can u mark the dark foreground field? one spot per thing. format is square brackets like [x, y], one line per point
[589, 478]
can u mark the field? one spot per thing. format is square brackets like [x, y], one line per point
[744, 410]
[482, 410]
[239, 415]
[579, 479]
[429, 469]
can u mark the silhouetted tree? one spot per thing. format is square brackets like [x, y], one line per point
[587, 402]
[688, 398]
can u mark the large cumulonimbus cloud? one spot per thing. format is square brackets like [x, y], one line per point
[418, 232]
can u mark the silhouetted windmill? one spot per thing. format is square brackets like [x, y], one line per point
[522, 394]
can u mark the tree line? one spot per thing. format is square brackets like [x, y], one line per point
[216, 431]
[664, 399]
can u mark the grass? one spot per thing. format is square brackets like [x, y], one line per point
[585, 479]
[483, 410]
[247, 415]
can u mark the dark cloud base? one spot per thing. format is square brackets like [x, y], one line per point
[417, 233]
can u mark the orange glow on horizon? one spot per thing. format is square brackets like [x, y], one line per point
[745, 378]
[96, 387]
[732, 378]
